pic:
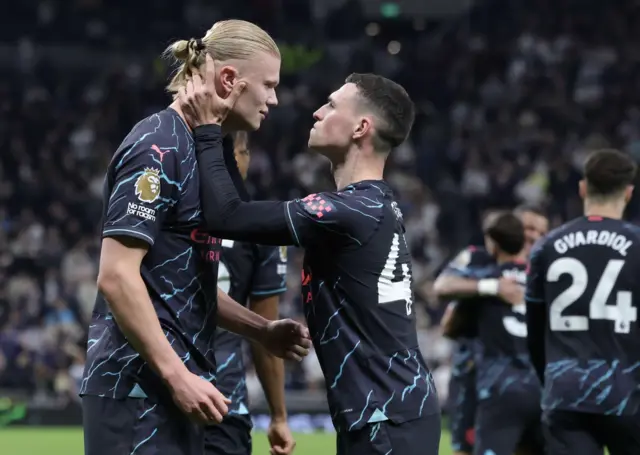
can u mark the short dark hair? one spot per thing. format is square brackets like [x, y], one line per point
[608, 172]
[506, 230]
[391, 103]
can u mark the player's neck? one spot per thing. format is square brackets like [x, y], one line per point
[608, 210]
[357, 167]
[503, 258]
[176, 107]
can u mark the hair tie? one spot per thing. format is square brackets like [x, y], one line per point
[199, 44]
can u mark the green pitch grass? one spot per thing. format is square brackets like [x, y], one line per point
[68, 441]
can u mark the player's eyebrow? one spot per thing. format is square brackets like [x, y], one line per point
[330, 100]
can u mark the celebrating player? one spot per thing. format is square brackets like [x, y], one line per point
[535, 222]
[462, 385]
[454, 282]
[146, 386]
[582, 321]
[356, 280]
[451, 285]
[507, 390]
[256, 274]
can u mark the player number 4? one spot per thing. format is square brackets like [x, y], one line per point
[389, 288]
[622, 313]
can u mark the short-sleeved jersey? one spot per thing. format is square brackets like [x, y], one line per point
[358, 302]
[585, 273]
[502, 359]
[245, 271]
[151, 193]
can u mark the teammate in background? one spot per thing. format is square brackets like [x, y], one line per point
[582, 318]
[536, 224]
[356, 280]
[507, 414]
[462, 385]
[508, 391]
[147, 381]
[255, 274]
[450, 285]
[454, 283]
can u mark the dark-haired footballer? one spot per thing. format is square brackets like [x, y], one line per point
[508, 391]
[357, 280]
[457, 282]
[462, 384]
[582, 318]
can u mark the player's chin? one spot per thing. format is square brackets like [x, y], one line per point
[252, 124]
[314, 142]
[323, 149]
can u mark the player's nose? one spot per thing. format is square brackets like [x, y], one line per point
[272, 99]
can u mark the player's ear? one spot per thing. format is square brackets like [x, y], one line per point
[489, 245]
[362, 128]
[228, 77]
[582, 188]
[628, 192]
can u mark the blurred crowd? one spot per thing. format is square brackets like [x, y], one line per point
[510, 97]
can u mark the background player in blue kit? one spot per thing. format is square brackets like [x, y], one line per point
[454, 283]
[254, 274]
[582, 318]
[357, 280]
[508, 391]
[147, 382]
[462, 385]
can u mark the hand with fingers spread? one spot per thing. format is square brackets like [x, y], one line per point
[198, 398]
[286, 339]
[200, 102]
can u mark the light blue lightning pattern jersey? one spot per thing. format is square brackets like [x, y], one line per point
[585, 274]
[358, 302]
[503, 365]
[246, 272]
[151, 193]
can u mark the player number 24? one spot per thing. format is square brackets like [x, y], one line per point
[622, 312]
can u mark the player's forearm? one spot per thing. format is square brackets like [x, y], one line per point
[270, 369]
[133, 311]
[451, 287]
[450, 322]
[238, 319]
[225, 213]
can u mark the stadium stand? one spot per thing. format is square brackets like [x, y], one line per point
[510, 98]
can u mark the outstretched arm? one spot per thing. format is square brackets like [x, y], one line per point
[239, 319]
[225, 214]
[297, 222]
[464, 277]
